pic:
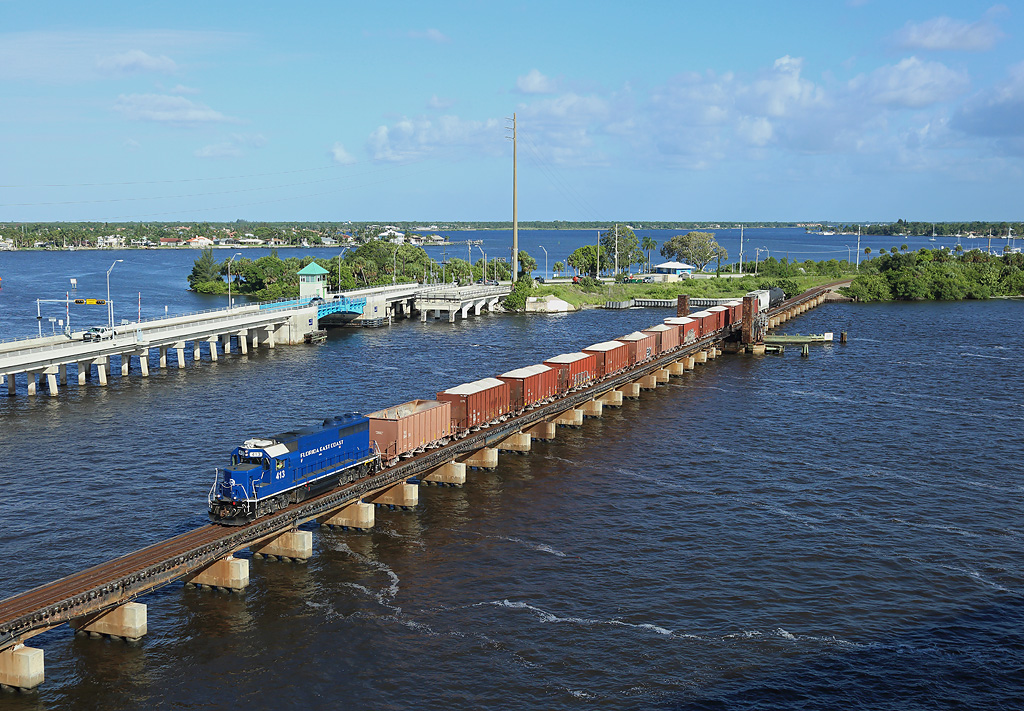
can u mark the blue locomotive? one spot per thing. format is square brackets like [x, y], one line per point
[268, 474]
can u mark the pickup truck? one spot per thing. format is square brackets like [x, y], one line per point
[98, 333]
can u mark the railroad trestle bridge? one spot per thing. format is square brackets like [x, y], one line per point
[100, 601]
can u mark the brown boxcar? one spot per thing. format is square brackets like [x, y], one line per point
[611, 357]
[530, 385]
[666, 335]
[476, 403]
[642, 347]
[722, 314]
[735, 311]
[689, 328]
[410, 427]
[574, 370]
[706, 320]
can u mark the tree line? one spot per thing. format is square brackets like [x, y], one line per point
[940, 275]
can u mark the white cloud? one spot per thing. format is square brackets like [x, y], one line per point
[913, 84]
[944, 33]
[341, 156]
[535, 83]
[410, 139]
[782, 91]
[136, 60]
[71, 56]
[429, 34]
[167, 109]
[436, 102]
[183, 90]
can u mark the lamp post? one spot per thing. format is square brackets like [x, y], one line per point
[545, 261]
[236, 254]
[485, 262]
[394, 266]
[110, 306]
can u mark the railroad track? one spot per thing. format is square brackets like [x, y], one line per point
[123, 579]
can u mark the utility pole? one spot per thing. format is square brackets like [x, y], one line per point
[515, 205]
[858, 248]
[741, 249]
[616, 250]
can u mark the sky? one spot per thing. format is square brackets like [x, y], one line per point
[839, 110]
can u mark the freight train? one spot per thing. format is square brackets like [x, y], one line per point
[266, 475]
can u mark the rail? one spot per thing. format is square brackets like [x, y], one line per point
[113, 583]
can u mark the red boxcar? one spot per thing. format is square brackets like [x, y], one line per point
[707, 322]
[667, 336]
[642, 347]
[574, 370]
[722, 313]
[410, 427]
[530, 385]
[689, 328]
[611, 357]
[476, 403]
[735, 311]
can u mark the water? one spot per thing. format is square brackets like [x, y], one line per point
[833, 532]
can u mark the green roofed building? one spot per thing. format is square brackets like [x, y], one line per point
[312, 281]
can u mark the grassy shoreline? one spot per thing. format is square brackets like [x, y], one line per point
[714, 288]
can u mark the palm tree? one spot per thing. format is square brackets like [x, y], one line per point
[648, 245]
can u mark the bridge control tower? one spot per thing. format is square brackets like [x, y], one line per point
[312, 281]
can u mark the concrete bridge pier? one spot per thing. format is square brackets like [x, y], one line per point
[31, 389]
[401, 496]
[592, 408]
[225, 339]
[700, 357]
[661, 375]
[268, 336]
[451, 474]
[544, 431]
[357, 516]
[243, 341]
[294, 546]
[486, 458]
[676, 368]
[570, 418]
[179, 350]
[630, 390]
[519, 442]
[51, 380]
[127, 622]
[226, 574]
[21, 668]
[10, 385]
[647, 382]
[143, 355]
[163, 357]
[62, 370]
[212, 343]
[612, 398]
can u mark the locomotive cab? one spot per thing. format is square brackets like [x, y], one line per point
[236, 488]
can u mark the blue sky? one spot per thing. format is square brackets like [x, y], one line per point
[845, 110]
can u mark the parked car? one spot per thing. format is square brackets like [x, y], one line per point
[98, 333]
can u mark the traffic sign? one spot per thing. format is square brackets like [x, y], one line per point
[91, 302]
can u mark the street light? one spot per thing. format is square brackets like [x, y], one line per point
[236, 254]
[485, 261]
[394, 266]
[545, 260]
[757, 256]
[110, 306]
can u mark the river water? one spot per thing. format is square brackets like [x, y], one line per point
[831, 532]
